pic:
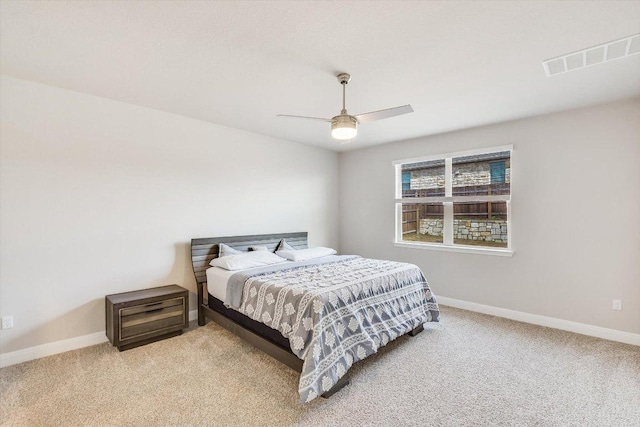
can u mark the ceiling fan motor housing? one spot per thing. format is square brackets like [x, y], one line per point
[344, 126]
[344, 78]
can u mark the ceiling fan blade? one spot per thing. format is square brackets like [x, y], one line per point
[383, 114]
[305, 117]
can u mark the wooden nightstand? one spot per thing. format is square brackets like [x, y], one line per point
[140, 317]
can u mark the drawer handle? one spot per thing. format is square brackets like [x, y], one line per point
[153, 311]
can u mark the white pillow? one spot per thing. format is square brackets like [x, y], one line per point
[305, 254]
[226, 250]
[258, 248]
[246, 260]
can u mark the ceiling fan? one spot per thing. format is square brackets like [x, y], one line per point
[345, 126]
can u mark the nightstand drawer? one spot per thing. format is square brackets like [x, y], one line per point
[151, 325]
[150, 316]
[151, 307]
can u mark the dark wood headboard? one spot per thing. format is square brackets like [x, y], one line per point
[206, 249]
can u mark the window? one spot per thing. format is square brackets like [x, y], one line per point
[456, 201]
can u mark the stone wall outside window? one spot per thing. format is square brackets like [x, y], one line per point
[468, 174]
[488, 230]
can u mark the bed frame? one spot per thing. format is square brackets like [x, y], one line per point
[204, 250]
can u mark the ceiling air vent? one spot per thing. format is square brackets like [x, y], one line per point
[605, 52]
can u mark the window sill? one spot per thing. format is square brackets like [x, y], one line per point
[457, 248]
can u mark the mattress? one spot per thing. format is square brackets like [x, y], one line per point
[217, 279]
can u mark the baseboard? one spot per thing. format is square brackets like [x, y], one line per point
[550, 322]
[31, 353]
[49, 349]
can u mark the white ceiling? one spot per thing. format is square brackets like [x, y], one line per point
[459, 64]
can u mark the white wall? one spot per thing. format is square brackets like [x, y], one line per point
[570, 170]
[99, 197]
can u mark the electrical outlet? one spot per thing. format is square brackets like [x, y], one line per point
[7, 322]
[617, 304]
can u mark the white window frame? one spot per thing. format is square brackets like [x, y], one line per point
[448, 200]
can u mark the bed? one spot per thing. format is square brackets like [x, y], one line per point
[317, 316]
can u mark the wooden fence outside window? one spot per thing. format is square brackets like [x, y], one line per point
[412, 213]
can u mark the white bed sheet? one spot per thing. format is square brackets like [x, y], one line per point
[217, 279]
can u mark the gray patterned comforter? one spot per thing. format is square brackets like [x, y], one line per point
[335, 310]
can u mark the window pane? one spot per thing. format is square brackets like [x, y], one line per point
[480, 224]
[406, 181]
[481, 175]
[422, 222]
[423, 179]
[498, 172]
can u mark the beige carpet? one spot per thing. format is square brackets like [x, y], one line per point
[468, 370]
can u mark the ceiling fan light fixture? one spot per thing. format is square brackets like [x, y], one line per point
[344, 127]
